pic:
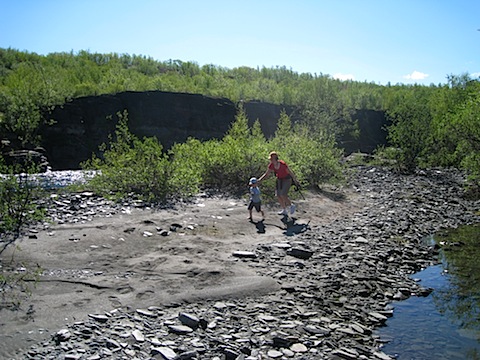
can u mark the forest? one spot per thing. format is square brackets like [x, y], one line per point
[432, 126]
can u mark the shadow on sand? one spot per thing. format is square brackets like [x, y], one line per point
[291, 226]
[260, 225]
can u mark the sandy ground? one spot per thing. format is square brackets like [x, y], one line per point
[125, 261]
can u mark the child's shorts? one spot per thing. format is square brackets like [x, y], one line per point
[256, 205]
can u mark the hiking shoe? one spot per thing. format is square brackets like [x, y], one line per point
[292, 209]
[283, 212]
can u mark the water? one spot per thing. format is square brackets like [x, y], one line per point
[60, 179]
[446, 324]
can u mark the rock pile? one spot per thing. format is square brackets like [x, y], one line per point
[337, 282]
[24, 158]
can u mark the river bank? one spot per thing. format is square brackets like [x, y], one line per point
[198, 281]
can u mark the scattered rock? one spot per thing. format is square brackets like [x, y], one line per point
[62, 336]
[336, 282]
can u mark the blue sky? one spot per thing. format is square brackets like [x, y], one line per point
[378, 41]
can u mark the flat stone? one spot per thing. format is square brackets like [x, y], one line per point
[378, 316]
[300, 253]
[274, 354]
[189, 320]
[146, 313]
[165, 352]
[298, 348]
[137, 334]
[180, 329]
[99, 318]
[245, 254]
[281, 245]
[267, 318]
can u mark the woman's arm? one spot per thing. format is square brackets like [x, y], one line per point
[264, 176]
[294, 177]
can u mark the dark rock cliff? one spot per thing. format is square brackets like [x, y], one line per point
[82, 125]
[372, 132]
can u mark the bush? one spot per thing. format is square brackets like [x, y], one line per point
[18, 208]
[18, 201]
[228, 164]
[16, 281]
[186, 176]
[130, 166]
[312, 156]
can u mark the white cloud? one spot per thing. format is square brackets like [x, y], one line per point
[475, 75]
[341, 76]
[416, 75]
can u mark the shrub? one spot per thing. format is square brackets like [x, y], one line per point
[18, 208]
[131, 166]
[16, 281]
[227, 164]
[186, 175]
[312, 156]
[18, 205]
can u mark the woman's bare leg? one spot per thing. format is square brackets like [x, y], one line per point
[284, 201]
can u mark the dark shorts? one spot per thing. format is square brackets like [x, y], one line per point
[256, 205]
[283, 185]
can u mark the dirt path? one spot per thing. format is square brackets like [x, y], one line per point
[143, 258]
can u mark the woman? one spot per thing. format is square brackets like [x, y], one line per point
[285, 178]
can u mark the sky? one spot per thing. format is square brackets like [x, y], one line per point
[374, 41]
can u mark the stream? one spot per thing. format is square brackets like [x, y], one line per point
[445, 324]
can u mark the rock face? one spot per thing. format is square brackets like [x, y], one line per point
[372, 126]
[81, 126]
[85, 123]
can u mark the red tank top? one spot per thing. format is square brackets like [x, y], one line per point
[282, 171]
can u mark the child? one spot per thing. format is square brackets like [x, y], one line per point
[255, 199]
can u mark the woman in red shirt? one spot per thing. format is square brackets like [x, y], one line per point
[285, 177]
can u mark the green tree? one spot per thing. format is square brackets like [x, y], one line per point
[456, 132]
[411, 125]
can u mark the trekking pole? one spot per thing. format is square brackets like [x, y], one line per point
[297, 188]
